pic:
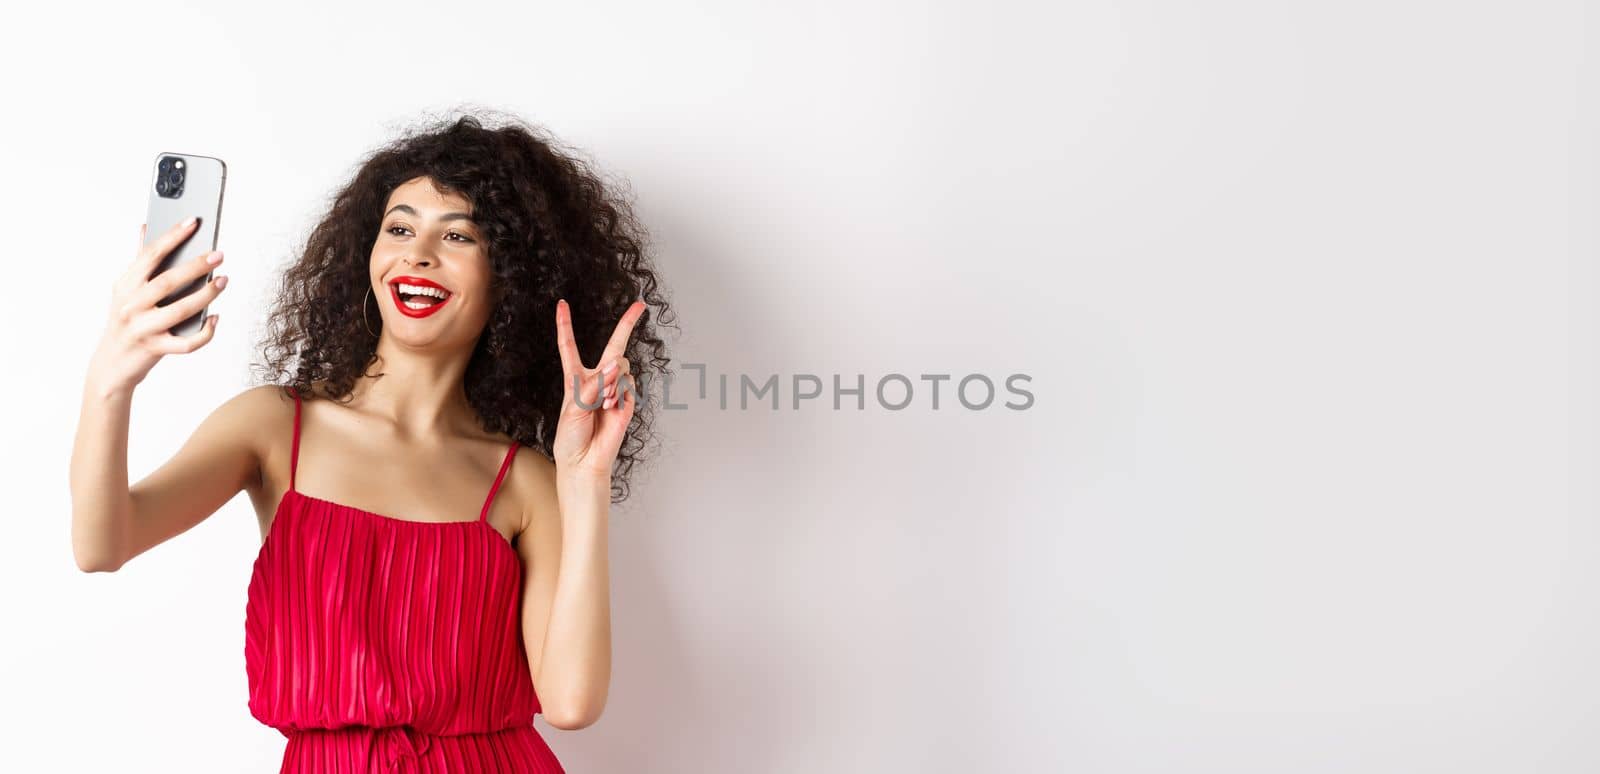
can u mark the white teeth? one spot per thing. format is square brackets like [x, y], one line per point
[419, 290]
[415, 305]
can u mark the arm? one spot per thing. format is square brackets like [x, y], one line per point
[569, 594]
[566, 606]
[112, 522]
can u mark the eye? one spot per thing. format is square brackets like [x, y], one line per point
[464, 237]
[391, 229]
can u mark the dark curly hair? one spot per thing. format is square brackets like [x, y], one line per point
[554, 229]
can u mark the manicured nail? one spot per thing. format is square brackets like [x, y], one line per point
[193, 219]
[222, 282]
[215, 257]
[609, 367]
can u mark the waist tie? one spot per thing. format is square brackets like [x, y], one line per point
[398, 742]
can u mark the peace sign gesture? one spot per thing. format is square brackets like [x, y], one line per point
[594, 418]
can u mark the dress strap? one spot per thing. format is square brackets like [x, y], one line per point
[294, 451]
[511, 454]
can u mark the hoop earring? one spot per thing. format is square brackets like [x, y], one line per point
[364, 311]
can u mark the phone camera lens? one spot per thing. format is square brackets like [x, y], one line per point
[170, 176]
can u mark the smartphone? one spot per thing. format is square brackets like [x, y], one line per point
[186, 186]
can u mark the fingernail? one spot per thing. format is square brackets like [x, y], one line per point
[609, 367]
[222, 282]
[215, 257]
[193, 219]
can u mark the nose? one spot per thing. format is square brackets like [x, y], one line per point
[423, 256]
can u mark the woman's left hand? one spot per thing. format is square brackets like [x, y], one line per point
[589, 434]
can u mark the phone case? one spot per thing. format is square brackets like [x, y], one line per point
[199, 196]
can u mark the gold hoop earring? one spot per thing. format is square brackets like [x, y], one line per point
[364, 311]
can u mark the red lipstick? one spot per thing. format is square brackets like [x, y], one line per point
[394, 292]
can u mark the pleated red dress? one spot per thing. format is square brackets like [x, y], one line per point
[379, 644]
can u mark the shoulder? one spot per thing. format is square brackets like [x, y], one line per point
[269, 401]
[255, 412]
[533, 479]
[255, 407]
[262, 406]
[235, 426]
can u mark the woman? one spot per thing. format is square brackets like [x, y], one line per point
[426, 582]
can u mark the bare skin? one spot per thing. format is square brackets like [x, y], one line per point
[406, 446]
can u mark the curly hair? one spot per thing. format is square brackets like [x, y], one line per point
[554, 228]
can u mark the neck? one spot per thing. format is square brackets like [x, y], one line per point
[422, 392]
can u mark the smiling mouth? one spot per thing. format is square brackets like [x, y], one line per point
[418, 300]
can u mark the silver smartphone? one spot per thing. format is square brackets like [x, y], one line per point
[186, 186]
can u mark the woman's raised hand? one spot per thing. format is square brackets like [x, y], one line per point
[138, 332]
[594, 411]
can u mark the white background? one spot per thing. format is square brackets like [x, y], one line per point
[1306, 291]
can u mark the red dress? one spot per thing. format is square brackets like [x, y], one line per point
[379, 644]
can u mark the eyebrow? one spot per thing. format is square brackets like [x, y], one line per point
[447, 216]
